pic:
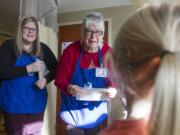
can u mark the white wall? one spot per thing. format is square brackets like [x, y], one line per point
[48, 36]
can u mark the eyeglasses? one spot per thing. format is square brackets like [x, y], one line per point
[34, 30]
[96, 33]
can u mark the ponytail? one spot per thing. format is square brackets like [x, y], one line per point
[165, 118]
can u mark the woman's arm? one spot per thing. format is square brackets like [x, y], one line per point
[62, 77]
[66, 67]
[7, 61]
[50, 61]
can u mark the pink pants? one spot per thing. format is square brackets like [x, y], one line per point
[23, 124]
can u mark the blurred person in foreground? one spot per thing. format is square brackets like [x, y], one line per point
[146, 61]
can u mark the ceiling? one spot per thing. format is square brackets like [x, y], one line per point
[9, 13]
[78, 5]
[9, 9]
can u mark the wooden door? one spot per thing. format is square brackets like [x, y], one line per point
[69, 33]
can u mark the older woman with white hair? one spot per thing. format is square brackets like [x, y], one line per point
[82, 78]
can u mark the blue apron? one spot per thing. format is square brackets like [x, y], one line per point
[84, 114]
[20, 95]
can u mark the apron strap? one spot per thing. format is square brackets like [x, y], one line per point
[79, 60]
[99, 57]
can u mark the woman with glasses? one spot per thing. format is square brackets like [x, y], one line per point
[82, 78]
[26, 66]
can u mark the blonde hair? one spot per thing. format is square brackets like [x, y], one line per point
[19, 42]
[153, 32]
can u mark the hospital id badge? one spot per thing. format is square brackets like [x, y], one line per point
[101, 72]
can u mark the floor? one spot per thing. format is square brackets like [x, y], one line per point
[2, 129]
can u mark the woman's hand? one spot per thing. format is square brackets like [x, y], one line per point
[34, 67]
[111, 92]
[41, 83]
[74, 89]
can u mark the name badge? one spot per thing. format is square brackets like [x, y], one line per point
[101, 72]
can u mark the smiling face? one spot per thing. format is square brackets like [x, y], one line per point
[93, 37]
[29, 32]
